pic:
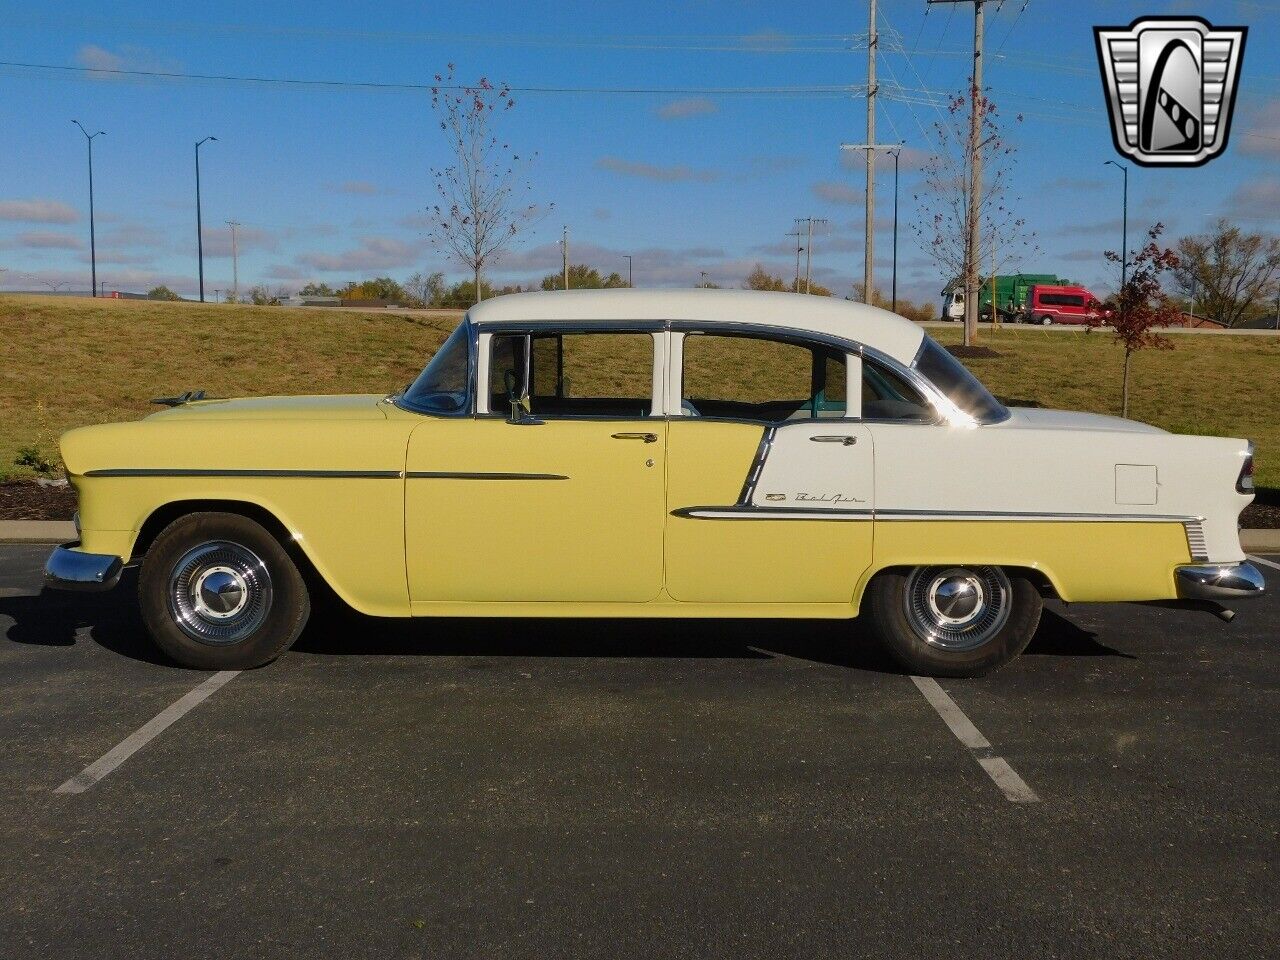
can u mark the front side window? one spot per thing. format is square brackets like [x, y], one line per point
[950, 376]
[574, 374]
[758, 378]
[443, 386]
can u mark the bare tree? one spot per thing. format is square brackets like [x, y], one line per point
[1232, 274]
[944, 229]
[480, 191]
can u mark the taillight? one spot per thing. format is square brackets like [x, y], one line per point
[1245, 483]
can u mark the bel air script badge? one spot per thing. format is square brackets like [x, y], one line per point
[1170, 84]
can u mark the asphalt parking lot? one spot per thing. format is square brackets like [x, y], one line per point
[649, 789]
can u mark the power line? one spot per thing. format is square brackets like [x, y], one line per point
[830, 90]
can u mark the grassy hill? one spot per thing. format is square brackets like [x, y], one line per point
[72, 361]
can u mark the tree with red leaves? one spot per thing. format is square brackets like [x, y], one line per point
[1141, 304]
[480, 206]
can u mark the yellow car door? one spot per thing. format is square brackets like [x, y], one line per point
[562, 501]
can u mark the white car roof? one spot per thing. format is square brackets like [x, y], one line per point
[872, 326]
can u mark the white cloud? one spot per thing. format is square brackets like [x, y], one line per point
[690, 107]
[649, 171]
[92, 57]
[359, 188]
[834, 192]
[373, 253]
[49, 240]
[37, 211]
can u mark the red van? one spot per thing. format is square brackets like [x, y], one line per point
[1046, 305]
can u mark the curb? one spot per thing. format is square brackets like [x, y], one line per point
[37, 531]
[1260, 541]
[61, 531]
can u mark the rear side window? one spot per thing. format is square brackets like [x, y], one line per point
[760, 378]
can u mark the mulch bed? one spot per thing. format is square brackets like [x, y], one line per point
[23, 500]
[30, 501]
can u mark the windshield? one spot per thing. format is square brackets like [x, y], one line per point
[965, 390]
[442, 386]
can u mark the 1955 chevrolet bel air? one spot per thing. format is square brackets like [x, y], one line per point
[656, 454]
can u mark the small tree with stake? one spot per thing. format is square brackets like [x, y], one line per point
[479, 208]
[1141, 304]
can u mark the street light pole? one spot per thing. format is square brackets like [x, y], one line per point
[1124, 225]
[896, 155]
[627, 257]
[199, 228]
[93, 246]
[896, 150]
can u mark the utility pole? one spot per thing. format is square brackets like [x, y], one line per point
[1124, 224]
[627, 257]
[235, 263]
[93, 247]
[564, 252]
[797, 233]
[869, 242]
[977, 104]
[199, 229]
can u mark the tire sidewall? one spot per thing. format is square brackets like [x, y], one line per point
[884, 603]
[290, 604]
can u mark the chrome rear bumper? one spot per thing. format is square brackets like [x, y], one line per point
[69, 569]
[1219, 582]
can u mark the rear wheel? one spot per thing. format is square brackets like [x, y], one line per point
[1046, 320]
[952, 621]
[218, 592]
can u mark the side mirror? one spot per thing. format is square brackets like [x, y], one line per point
[519, 415]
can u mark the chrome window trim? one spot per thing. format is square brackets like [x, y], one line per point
[757, 465]
[655, 328]
[943, 408]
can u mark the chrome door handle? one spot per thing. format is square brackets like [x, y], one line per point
[845, 439]
[646, 437]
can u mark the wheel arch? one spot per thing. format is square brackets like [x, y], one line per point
[172, 510]
[1039, 578]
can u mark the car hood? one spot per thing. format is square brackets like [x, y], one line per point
[1042, 419]
[345, 407]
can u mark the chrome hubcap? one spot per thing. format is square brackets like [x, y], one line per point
[219, 592]
[957, 608]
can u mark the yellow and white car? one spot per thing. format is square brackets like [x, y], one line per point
[656, 454]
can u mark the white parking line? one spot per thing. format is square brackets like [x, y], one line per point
[1269, 563]
[1004, 776]
[131, 744]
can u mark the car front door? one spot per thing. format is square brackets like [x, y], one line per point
[769, 472]
[561, 500]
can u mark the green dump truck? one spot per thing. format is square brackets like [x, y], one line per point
[1011, 295]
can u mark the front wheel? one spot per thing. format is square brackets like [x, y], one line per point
[950, 621]
[218, 592]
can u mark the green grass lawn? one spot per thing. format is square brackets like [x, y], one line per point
[72, 361]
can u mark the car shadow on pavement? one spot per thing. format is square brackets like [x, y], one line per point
[1059, 637]
[55, 618]
[338, 632]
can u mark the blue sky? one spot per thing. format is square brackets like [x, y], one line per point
[327, 183]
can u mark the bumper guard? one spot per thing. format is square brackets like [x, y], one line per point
[1219, 582]
[70, 569]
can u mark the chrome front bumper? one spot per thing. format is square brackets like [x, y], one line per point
[68, 569]
[1219, 582]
